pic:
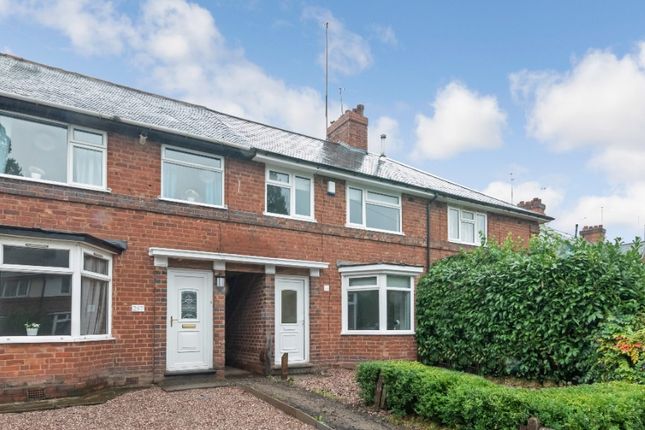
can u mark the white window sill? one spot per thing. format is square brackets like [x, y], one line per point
[296, 218]
[61, 184]
[377, 333]
[54, 339]
[186, 202]
[376, 230]
[459, 242]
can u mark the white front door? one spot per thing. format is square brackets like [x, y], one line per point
[292, 318]
[189, 328]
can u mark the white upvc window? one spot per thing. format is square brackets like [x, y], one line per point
[62, 290]
[289, 194]
[373, 210]
[52, 152]
[192, 177]
[378, 301]
[466, 226]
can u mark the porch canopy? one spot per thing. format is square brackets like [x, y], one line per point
[219, 259]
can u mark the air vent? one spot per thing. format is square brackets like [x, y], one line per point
[35, 394]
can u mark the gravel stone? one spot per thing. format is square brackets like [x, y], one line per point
[333, 382]
[219, 408]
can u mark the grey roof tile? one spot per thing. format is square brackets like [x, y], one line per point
[52, 86]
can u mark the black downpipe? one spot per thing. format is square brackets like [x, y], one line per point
[428, 232]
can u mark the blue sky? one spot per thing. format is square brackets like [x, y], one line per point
[551, 91]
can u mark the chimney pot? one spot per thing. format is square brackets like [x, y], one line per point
[593, 233]
[534, 205]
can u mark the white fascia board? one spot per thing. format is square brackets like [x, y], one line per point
[122, 120]
[355, 179]
[380, 268]
[235, 258]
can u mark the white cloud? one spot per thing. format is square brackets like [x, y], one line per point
[388, 126]
[180, 50]
[598, 105]
[622, 211]
[349, 53]
[525, 191]
[462, 121]
[92, 27]
[386, 34]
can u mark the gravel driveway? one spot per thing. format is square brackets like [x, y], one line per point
[219, 408]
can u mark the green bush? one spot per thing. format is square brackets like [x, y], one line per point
[535, 312]
[468, 401]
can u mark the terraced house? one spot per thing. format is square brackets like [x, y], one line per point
[142, 236]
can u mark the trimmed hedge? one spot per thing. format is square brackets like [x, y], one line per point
[534, 313]
[468, 401]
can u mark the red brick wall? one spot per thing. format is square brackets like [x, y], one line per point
[246, 331]
[132, 212]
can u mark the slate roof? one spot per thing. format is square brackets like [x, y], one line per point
[55, 87]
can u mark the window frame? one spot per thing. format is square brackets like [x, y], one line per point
[71, 143]
[381, 285]
[221, 169]
[460, 211]
[76, 269]
[292, 192]
[365, 201]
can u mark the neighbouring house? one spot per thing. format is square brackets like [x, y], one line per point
[148, 237]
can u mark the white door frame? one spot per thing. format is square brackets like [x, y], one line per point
[277, 317]
[207, 322]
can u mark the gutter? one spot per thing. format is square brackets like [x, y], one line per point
[116, 118]
[323, 170]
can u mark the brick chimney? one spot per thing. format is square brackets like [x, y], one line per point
[350, 128]
[593, 233]
[534, 205]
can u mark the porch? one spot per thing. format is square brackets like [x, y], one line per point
[214, 310]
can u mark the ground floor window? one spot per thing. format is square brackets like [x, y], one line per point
[377, 303]
[53, 290]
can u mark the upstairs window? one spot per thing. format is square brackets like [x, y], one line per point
[289, 194]
[466, 226]
[192, 177]
[373, 210]
[53, 291]
[51, 152]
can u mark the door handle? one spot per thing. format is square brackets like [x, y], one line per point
[172, 320]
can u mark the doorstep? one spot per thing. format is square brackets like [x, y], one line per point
[295, 369]
[199, 380]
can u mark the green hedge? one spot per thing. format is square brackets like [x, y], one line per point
[534, 313]
[468, 401]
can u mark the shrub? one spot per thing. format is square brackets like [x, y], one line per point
[533, 313]
[467, 401]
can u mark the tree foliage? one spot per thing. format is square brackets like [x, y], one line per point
[535, 312]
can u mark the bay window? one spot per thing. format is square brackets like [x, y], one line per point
[466, 226]
[289, 194]
[378, 301]
[192, 177]
[47, 151]
[373, 210]
[53, 291]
